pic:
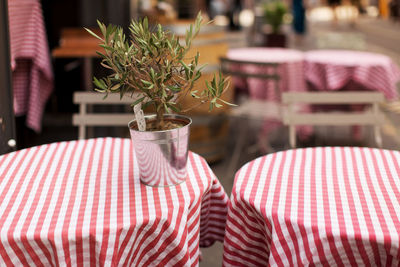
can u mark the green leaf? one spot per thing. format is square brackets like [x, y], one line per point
[186, 67]
[198, 75]
[228, 103]
[105, 66]
[196, 58]
[209, 87]
[115, 87]
[102, 27]
[211, 106]
[109, 48]
[100, 90]
[145, 23]
[166, 107]
[99, 84]
[146, 82]
[104, 84]
[137, 101]
[174, 88]
[92, 33]
[174, 108]
[100, 54]
[152, 74]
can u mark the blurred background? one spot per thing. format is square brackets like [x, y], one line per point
[366, 25]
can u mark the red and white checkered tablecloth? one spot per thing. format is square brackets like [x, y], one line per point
[290, 70]
[81, 203]
[332, 206]
[30, 60]
[328, 70]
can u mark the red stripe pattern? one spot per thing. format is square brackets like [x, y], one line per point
[30, 60]
[81, 203]
[332, 206]
[329, 70]
[290, 71]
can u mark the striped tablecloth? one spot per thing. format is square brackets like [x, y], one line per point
[291, 74]
[81, 202]
[290, 70]
[30, 61]
[316, 206]
[328, 70]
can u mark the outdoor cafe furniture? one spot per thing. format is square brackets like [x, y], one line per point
[81, 202]
[330, 70]
[333, 70]
[290, 70]
[32, 74]
[331, 206]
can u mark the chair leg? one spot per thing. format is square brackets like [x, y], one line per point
[292, 136]
[263, 144]
[237, 149]
[378, 136]
[82, 131]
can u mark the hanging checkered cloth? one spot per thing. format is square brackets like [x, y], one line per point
[30, 60]
[81, 202]
[316, 206]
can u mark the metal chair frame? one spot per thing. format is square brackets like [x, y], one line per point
[252, 109]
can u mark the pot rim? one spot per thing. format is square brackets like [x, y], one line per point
[170, 116]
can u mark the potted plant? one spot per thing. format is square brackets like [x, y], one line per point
[152, 64]
[274, 13]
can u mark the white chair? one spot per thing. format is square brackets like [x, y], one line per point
[252, 109]
[86, 118]
[340, 40]
[373, 117]
[391, 110]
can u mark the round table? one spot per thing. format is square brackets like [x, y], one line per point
[81, 203]
[331, 206]
[328, 70]
[290, 70]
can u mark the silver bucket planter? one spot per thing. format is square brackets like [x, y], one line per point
[162, 155]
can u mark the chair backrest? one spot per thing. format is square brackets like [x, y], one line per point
[340, 40]
[372, 117]
[242, 69]
[86, 118]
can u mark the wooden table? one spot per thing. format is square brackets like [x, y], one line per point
[78, 43]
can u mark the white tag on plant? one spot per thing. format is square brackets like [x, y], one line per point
[139, 115]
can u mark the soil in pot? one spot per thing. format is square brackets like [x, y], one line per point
[169, 124]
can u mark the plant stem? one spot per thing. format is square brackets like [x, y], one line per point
[160, 117]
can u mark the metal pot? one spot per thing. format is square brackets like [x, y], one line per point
[162, 155]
